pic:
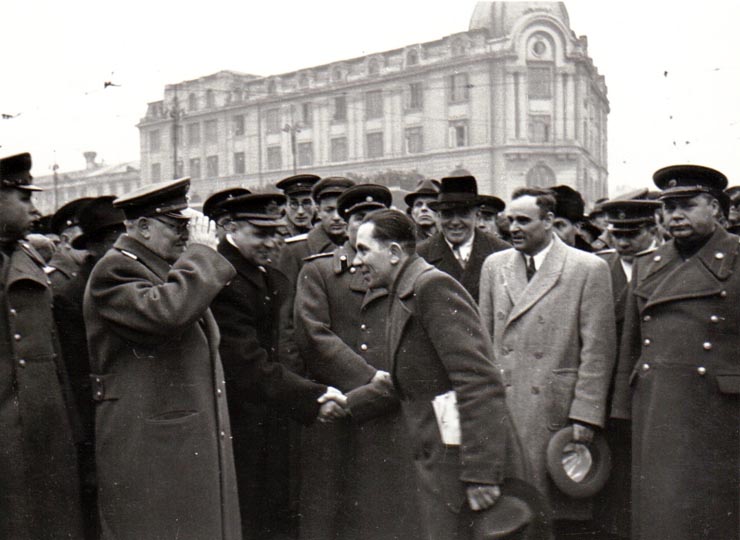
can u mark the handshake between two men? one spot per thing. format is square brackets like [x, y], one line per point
[334, 404]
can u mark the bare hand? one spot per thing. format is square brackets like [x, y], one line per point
[482, 496]
[332, 394]
[582, 433]
[381, 376]
[201, 229]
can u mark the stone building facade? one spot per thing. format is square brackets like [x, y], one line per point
[515, 100]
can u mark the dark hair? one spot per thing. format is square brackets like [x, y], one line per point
[393, 226]
[544, 199]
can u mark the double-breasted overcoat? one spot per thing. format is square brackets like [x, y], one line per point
[163, 442]
[554, 340]
[358, 481]
[679, 377]
[39, 486]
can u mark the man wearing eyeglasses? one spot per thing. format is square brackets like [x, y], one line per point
[163, 441]
[299, 208]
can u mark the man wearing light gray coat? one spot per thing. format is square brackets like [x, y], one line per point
[549, 310]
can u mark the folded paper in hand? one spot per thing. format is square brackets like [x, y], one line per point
[448, 417]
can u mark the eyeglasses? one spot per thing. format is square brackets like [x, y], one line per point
[180, 228]
[295, 204]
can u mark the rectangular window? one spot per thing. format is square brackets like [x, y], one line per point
[539, 129]
[193, 134]
[274, 158]
[375, 145]
[211, 131]
[212, 166]
[374, 104]
[239, 125]
[458, 133]
[539, 82]
[305, 154]
[340, 109]
[179, 169]
[307, 114]
[154, 140]
[459, 88]
[272, 121]
[414, 140]
[156, 172]
[415, 97]
[239, 166]
[339, 149]
[194, 168]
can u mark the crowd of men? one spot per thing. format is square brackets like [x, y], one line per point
[309, 362]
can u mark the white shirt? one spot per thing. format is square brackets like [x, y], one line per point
[463, 251]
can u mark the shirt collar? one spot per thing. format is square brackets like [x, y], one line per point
[463, 249]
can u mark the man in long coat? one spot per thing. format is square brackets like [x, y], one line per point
[553, 336]
[357, 480]
[458, 248]
[262, 391]
[678, 376]
[39, 492]
[163, 441]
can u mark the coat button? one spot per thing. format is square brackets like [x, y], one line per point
[343, 258]
[714, 319]
[646, 318]
[719, 255]
[645, 367]
[701, 370]
[17, 337]
[723, 294]
[363, 347]
[223, 434]
[363, 326]
[22, 362]
[267, 298]
[219, 392]
[13, 312]
[98, 394]
[352, 270]
[707, 346]
[646, 342]
[657, 258]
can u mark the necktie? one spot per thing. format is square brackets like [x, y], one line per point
[530, 267]
[459, 257]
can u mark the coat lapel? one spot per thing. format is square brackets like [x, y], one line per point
[21, 266]
[401, 292]
[544, 279]
[515, 276]
[441, 256]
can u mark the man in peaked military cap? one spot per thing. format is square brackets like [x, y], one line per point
[356, 480]
[66, 260]
[631, 223]
[417, 202]
[488, 211]
[330, 232]
[261, 389]
[300, 209]
[678, 377]
[458, 248]
[163, 441]
[569, 209]
[213, 207]
[39, 498]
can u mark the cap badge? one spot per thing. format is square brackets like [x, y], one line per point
[622, 215]
[672, 182]
[368, 199]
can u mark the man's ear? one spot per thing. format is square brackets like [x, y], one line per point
[143, 227]
[396, 252]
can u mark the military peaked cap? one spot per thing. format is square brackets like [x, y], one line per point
[299, 183]
[331, 185]
[688, 180]
[160, 199]
[490, 204]
[630, 214]
[68, 215]
[213, 207]
[15, 172]
[259, 209]
[363, 197]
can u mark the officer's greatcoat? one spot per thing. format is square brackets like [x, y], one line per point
[163, 441]
[679, 370]
[358, 480]
[39, 494]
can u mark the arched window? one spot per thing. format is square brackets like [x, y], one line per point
[192, 102]
[412, 58]
[540, 176]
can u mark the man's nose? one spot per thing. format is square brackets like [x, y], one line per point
[356, 261]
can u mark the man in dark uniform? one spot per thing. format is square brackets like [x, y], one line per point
[330, 232]
[458, 248]
[39, 498]
[163, 441]
[631, 224]
[101, 224]
[488, 211]
[213, 208]
[66, 260]
[733, 219]
[417, 202]
[357, 481]
[678, 375]
[299, 207]
[569, 209]
[248, 312]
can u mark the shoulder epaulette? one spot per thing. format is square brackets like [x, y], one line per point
[296, 238]
[129, 254]
[605, 251]
[318, 256]
[31, 252]
[647, 251]
[49, 270]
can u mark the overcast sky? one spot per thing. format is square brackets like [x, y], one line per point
[672, 68]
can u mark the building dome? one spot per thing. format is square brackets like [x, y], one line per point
[499, 18]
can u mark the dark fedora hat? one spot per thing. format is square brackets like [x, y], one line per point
[96, 216]
[68, 215]
[456, 191]
[521, 510]
[424, 188]
[578, 470]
